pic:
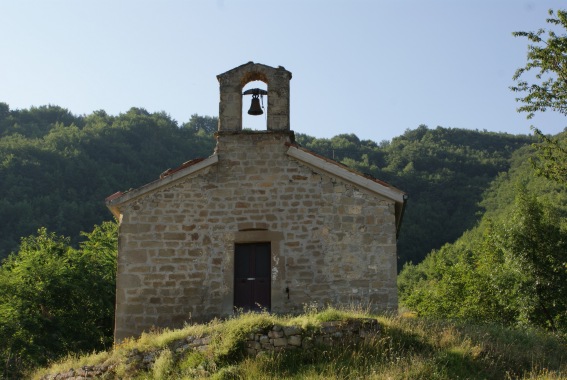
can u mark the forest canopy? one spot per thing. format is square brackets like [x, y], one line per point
[57, 169]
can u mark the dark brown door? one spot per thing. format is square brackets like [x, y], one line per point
[252, 286]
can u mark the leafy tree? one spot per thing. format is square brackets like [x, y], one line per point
[512, 271]
[203, 125]
[547, 56]
[445, 172]
[35, 122]
[485, 275]
[551, 161]
[536, 238]
[55, 299]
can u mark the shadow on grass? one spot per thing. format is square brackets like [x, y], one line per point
[343, 359]
[395, 353]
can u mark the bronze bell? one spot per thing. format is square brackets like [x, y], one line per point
[255, 108]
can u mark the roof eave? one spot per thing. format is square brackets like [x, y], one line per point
[347, 175]
[114, 201]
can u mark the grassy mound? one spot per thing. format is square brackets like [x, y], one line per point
[406, 348]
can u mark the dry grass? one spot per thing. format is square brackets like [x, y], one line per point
[408, 348]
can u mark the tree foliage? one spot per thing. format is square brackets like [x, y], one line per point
[537, 238]
[511, 267]
[513, 271]
[57, 168]
[202, 125]
[548, 59]
[55, 299]
[551, 161]
[57, 171]
[546, 89]
[444, 170]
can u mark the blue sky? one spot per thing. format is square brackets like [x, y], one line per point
[374, 68]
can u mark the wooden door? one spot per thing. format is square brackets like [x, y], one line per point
[252, 283]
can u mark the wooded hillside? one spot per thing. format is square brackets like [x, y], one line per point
[511, 267]
[444, 171]
[57, 168]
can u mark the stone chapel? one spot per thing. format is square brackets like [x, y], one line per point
[260, 224]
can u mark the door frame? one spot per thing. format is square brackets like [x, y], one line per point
[253, 234]
[254, 282]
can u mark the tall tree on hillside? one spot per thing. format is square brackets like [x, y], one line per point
[535, 238]
[547, 57]
[510, 270]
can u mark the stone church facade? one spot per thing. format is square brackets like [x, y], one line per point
[260, 224]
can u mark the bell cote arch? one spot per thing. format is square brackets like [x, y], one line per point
[233, 81]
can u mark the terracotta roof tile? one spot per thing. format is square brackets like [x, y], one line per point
[181, 167]
[118, 194]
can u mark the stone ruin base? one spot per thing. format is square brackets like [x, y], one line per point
[279, 338]
[262, 341]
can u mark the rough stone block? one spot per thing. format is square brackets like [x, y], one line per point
[329, 327]
[292, 330]
[179, 236]
[139, 256]
[280, 342]
[295, 340]
[275, 334]
[126, 281]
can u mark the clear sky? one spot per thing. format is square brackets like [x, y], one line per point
[374, 68]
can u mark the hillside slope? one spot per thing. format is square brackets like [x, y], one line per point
[400, 348]
[445, 171]
[57, 168]
[511, 267]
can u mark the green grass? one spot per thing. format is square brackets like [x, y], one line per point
[407, 348]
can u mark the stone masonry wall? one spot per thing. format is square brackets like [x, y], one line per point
[331, 241]
[259, 342]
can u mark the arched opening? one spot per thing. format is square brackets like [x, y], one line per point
[233, 106]
[258, 122]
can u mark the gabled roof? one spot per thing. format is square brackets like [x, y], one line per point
[167, 177]
[303, 155]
